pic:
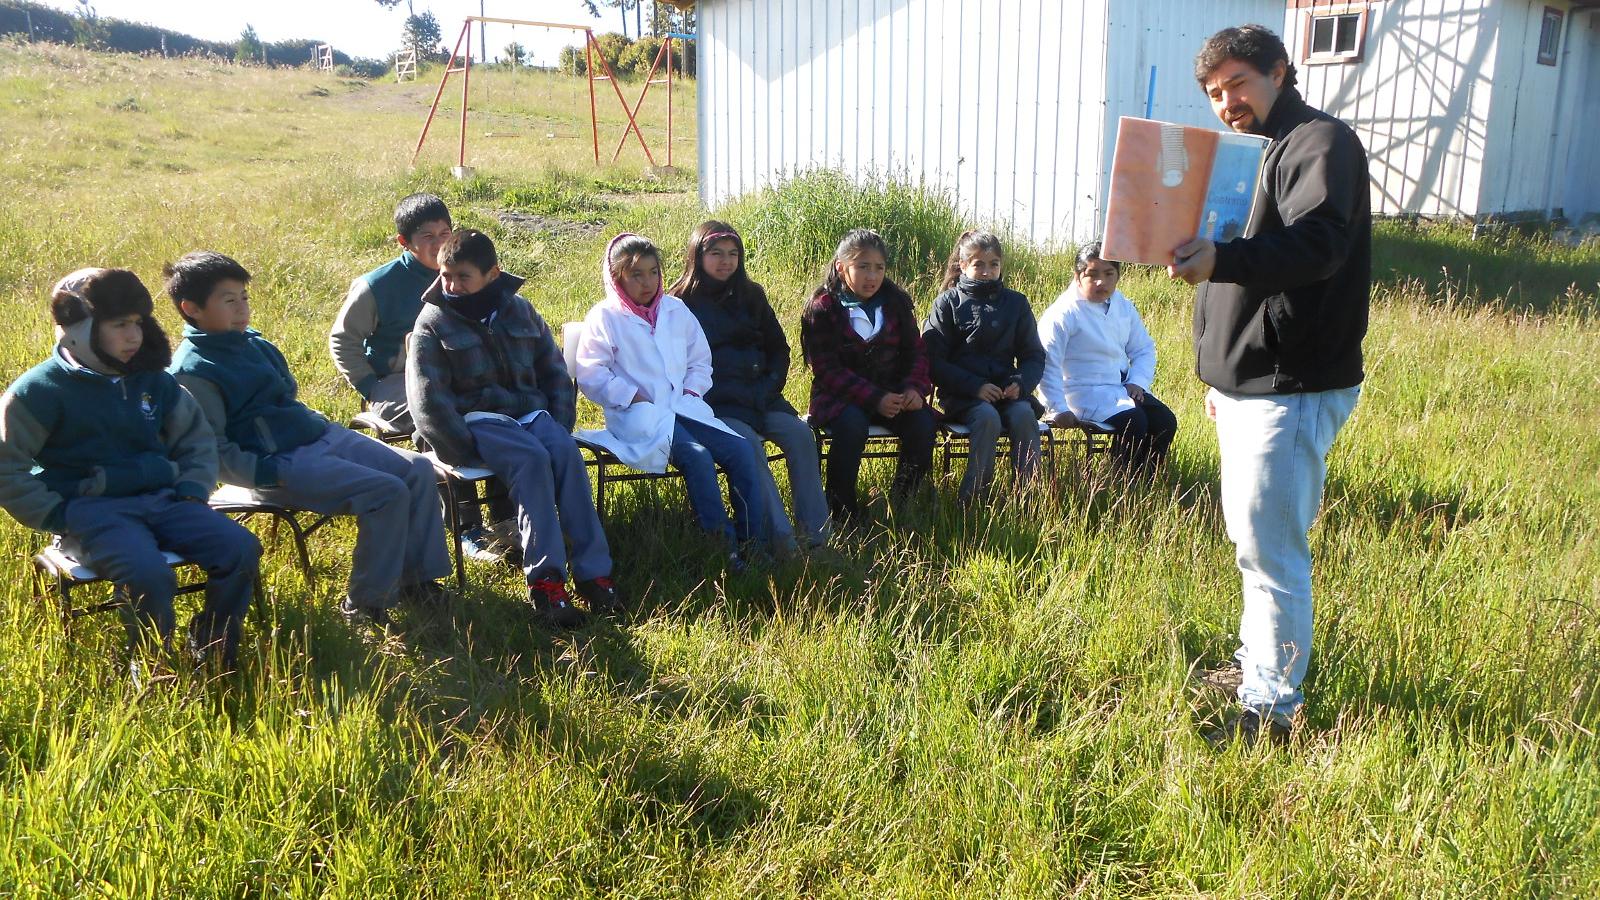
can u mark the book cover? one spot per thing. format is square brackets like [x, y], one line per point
[1171, 183]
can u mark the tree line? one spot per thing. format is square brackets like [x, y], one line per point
[84, 27]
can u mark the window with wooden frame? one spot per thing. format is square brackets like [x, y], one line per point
[1335, 35]
[1549, 36]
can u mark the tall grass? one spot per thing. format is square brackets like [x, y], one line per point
[976, 705]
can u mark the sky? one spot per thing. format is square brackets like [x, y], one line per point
[360, 27]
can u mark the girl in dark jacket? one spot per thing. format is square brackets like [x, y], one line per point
[859, 335]
[749, 366]
[986, 359]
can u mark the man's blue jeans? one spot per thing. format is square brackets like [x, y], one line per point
[1274, 461]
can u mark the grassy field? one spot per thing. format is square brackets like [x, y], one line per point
[993, 705]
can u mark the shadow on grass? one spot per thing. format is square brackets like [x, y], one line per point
[1511, 271]
[469, 675]
[470, 669]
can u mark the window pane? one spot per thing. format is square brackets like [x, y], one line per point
[1348, 26]
[1549, 32]
[1322, 35]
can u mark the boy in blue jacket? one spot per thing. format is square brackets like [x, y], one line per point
[289, 454]
[99, 445]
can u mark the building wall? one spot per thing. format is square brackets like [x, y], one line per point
[1574, 182]
[991, 102]
[1523, 127]
[1004, 103]
[1165, 35]
[1420, 98]
[1012, 105]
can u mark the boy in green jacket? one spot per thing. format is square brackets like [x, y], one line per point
[289, 454]
[99, 445]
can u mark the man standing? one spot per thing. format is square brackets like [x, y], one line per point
[1278, 323]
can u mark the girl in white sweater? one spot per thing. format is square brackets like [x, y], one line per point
[1099, 363]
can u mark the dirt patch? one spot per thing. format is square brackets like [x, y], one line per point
[546, 225]
[636, 198]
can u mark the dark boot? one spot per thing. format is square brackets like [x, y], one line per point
[552, 608]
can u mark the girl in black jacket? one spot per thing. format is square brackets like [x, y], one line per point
[749, 366]
[986, 359]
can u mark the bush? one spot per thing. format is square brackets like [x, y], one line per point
[573, 61]
[612, 46]
[797, 223]
[366, 67]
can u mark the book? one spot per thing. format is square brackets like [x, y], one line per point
[1172, 183]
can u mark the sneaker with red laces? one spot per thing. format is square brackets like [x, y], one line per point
[552, 608]
[602, 596]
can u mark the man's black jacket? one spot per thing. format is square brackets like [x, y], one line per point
[1286, 307]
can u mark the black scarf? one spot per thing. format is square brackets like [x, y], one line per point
[979, 290]
[477, 306]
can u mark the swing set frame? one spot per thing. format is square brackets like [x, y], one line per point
[591, 49]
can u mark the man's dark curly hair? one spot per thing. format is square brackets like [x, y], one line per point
[1254, 44]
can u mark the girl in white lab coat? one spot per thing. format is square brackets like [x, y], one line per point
[643, 359]
[1100, 361]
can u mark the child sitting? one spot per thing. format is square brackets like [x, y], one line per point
[644, 360]
[859, 334]
[985, 355]
[369, 334]
[1099, 363]
[290, 455]
[487, 386]
[99, 445]
[749, 365]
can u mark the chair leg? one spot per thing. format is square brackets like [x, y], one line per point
[299, 536]
[64, 601]
[455, 530]
[259, 593]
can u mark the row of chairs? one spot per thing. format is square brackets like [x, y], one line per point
[57, 573]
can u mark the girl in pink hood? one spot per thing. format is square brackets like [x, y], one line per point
[642, 358]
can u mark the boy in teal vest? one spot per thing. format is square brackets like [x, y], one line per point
[369, 337]
[290, 455]
[99, 445]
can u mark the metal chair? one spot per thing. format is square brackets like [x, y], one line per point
[877, 437]
[464, 486]
[242, 505]
[369, 422]
[58, 572]
[955, 442]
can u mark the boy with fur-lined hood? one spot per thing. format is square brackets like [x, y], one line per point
[99, 445]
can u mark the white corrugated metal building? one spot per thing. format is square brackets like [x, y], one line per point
[1012, 105]
[1467, 107]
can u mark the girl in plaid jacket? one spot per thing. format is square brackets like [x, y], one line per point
[869, 367]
